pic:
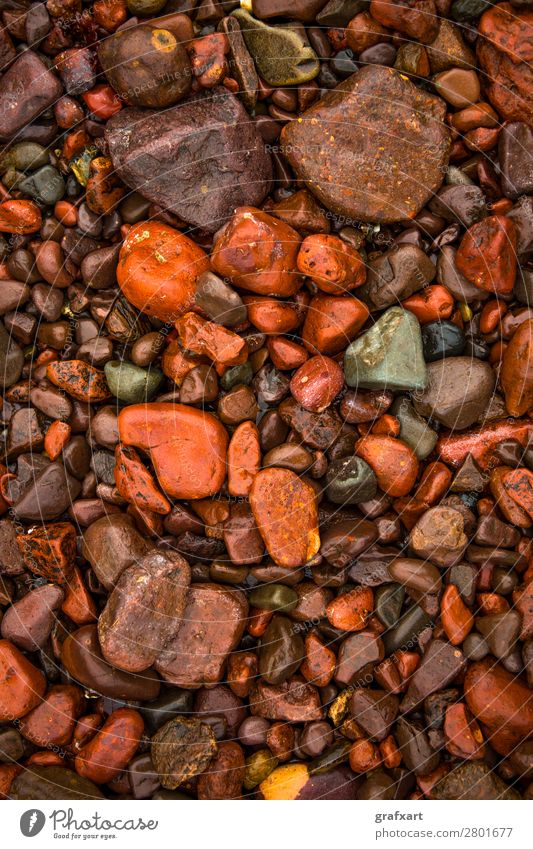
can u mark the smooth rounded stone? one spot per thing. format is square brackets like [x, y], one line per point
[458, 86]
[49, 493]
[375, 711]
[26, 89]
[388, 603]
[52, 782]
[278, 597]
[515, 149]
[281, 651]
[501, 631]
[358, 655]
[387, 151]
[111, 544]
[167, 705]
[441, 339]
[389, 355]
[83, 660]
[350, 480]
[219, 301]
[458, 391]
[395, 275]
[212, 626]
[379, 54]
[281, 54]
[315, 737]
[24, 156]
[449, 275]
[475, 647]
[29, 622]
[339, 13]
[220, 702]
[155, 153]
[132, 384]
[439, 536]
[417, 575]
[414, 745]
[414, 430]
[98, 267]
[440, 665]
[459, 203]
[181, 749]
[11, 359]
[253, 731]
[144, 610]
[404, 634]
[45, 185]
[13, 294]
[146, 65]
[11, 745]
[187, 446]
[472, 782]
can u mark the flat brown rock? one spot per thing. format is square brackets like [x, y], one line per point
[212, 626]
[374, 148]
[292, 701]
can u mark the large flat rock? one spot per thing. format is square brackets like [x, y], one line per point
[199, 159]
[375, 148]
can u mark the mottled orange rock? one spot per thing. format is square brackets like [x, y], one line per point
[516, 374]
[393, 462]
[463, 735]
[79, 380]
[285, 509]
[487, 254]
[158, 269]
[244, 459]
[320, 661]
[350, 611]
[56, 437]
[331, 323]
[332, 264]
[270, 315]
[258, 252]
[316, 383]
[457, 620]
[416, 18]
[52, 722]
[22, 685]
[20, 216]
[187, 446]
[50, 551]
[135, 483]
[206, 338]
[112, 747]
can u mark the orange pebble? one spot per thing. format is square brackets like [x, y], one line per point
[320, 661]
[350, 611]
[456, 618]
[286, 354]
[135, 483]
[390, 753]
[393, 462]
[102, 101]
[491, 314]
[430, 304]
[386, 425]
[331, 263]
[364, 756]
[20, 216]
[78, 603]
[57, 436]
[66, 213]
[244, 459]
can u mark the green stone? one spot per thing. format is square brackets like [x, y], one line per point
[389, 355]
[414, 430]
[350, 480]
[258, 766]
[81, 163]
[132, 384]
[282, 55]
[24, 156]
[388, 603]
[274, 597]
[46, 185]
[236, 375]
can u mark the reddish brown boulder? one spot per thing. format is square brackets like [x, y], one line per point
[382, 142]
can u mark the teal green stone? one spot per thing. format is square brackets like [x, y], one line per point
[414, 430]
[46, 185]
[132, 384]
[237, 375]
[389, 355]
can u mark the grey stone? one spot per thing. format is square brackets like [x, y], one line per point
[130, 383]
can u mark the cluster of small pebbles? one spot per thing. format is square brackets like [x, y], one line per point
[266, 364]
